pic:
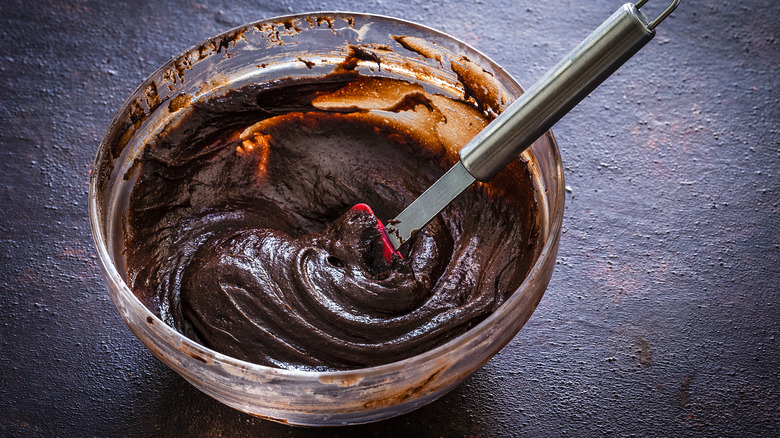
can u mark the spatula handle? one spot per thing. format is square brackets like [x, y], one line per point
[558, 91]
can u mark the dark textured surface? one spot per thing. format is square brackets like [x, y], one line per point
[662, 317]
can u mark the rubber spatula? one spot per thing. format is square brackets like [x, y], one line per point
[617, 39]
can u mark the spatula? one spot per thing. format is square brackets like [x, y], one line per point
[617, 39]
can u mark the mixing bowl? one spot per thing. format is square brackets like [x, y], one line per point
[300, 46]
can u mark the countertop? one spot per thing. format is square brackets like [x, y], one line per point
[662, 317]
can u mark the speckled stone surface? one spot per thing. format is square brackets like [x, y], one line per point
[662, 317]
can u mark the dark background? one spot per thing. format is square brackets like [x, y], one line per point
[661, 318]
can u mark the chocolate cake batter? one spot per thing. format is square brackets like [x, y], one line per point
[242, 235]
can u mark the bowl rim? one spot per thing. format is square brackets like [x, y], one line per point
[549, 248]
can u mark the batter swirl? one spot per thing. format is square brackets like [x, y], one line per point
[240, 240]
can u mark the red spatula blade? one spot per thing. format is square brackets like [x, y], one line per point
[387, 247]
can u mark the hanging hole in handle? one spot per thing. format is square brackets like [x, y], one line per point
[661, 16]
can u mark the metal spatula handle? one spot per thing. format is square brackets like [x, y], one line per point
[533, 113]
[558, 91]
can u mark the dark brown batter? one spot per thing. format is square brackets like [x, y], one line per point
[240, 240]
